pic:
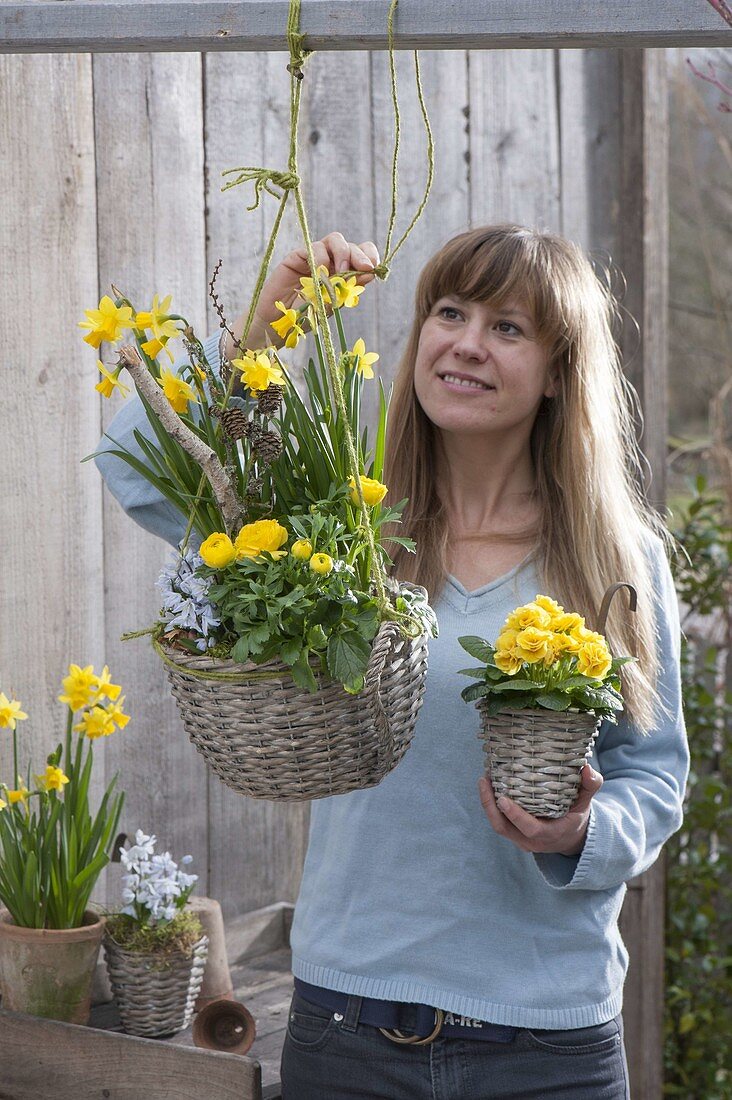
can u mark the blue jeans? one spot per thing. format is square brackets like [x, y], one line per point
[325, 1058]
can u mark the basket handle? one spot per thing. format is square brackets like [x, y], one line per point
[607, 599]
[381, 648]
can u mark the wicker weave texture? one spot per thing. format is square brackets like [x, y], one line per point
[155, 997]
[269, 738]
[535, 756]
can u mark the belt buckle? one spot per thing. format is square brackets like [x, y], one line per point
[414, 1040]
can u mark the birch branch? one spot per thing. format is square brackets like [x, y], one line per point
[218, 478]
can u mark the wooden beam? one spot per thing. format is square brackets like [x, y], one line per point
[104, 26]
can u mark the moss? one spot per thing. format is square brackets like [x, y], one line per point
[179, 936]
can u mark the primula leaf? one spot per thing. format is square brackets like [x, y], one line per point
[477, 647]
[475, 691]
[476, 673]
[516, 685]
[554, 700]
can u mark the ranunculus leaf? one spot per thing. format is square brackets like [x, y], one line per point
[348, 656]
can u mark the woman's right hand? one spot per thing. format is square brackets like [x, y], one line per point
[283, 285]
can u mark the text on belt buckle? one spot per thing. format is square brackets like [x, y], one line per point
[414, 1040]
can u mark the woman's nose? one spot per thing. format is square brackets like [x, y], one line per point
[471, 345]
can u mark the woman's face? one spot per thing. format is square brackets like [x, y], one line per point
[480, 369]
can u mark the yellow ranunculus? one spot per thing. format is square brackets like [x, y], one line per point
[302, 549]
[321, 563]
[528, 615]
[508, 662]
[533, 644]
[266, 536]
[218, 550]
[53, 779]
[594, 660]
[373, 491]
[10, 712]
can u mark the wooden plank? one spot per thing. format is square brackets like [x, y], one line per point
[514, 138]
[52, 603]
[254, 25]
[44, 1059]
[149, 152]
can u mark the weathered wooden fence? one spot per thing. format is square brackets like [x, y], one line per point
[111, 172]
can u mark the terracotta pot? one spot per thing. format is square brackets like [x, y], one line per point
[47, 971]
[217, 982]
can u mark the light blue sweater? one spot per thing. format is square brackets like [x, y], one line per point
[407, 892]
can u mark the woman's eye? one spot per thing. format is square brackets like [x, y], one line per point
[449, 309]
[505, 325]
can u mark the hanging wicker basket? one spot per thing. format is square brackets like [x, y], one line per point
[266, 737]
[156, 995]
[535, 756]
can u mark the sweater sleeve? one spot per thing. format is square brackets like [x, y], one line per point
[140, 499]
[640, 804]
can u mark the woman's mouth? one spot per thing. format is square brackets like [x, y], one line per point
[463, 382]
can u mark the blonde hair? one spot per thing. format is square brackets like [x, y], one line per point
[594, 523]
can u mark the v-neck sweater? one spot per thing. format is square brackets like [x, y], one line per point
[407, 892]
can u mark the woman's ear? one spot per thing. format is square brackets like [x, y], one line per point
[552, 381]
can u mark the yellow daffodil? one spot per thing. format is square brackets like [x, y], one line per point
[307, 290]
[258, 371]
[19, 795]
[104, 685]
[80, 687]
[321, 563]
[114, 711]
[95, 723]
[302, 549]
[266, 536]
[347, 291]
[594, 660]
[10, 712]
[108, 322]
[529, 615]
[217, 550]
[157, 320]
[154, 346]
[533, 644]
[287, 326]
[2, 804]
[363, 365]
[178, 392]
[110, 381]
[373, 491]
[53, 779]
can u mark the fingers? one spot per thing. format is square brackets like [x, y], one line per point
[338, 255]
[590, 783]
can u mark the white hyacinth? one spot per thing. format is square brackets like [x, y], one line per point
[186, 605]
[154, 889]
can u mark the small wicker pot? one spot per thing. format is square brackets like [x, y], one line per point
[266, 737]
[535, 756]
[155, 994]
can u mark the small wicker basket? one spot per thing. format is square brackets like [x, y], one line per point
[269, 738]
[535, 756]
[155, 994]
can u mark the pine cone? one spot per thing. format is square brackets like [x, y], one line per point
[269, 400]
[234, 420]
[254, 433]
[254, 486]
[268, 447]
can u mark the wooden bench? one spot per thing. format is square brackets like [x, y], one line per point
[47, 1060]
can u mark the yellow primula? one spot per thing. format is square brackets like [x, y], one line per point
[533, 644]
[287, 326]
[266, 536]
[508, 662]
[96, 722]
[107, 322]
[158, 321]
[582, 634]
[321, 563]
[104, 685]
[564, 645]
[258, 371]
[53, 779]
[365, 359]
[506, 640]
[302, 549]
[10, 712]
[178, 392]
[594, 660]
[529, 615]
[217, 550]
[80, 687]
[373, 491]
[347, 291]
[568, 620]
[110, 381]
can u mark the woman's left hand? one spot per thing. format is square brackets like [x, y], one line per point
[565, 835]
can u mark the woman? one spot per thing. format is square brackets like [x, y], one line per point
[511, 434]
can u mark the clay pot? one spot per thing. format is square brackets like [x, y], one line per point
[217, 982]
[48, 971]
